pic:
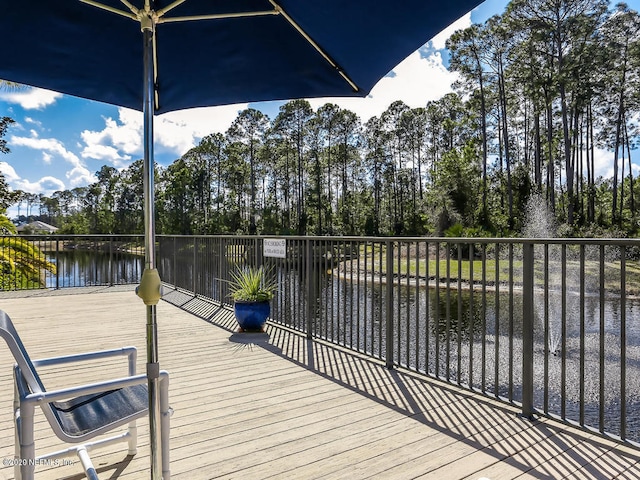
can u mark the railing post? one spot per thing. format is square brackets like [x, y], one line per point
[527, 330]
[57, 264]
[110, 261]
[193, 278]
[174, 273]
[258, 247]
[310, 290]
[389, 305]
[623, 342]
[221, 258]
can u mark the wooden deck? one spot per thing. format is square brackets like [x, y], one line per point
[279, 406]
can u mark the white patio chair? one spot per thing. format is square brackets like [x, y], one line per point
[79, 413]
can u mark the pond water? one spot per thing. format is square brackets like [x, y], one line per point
[82, 268]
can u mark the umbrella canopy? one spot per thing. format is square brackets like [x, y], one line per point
[159, 56]
[238, 50]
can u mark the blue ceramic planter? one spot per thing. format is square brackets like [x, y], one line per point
[251, 316]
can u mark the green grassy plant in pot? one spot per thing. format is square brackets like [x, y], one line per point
[252, 290]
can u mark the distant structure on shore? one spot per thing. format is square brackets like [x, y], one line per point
[37, 227]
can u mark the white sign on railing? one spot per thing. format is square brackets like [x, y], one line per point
[275, 248]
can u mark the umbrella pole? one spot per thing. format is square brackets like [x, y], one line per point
[150, 284]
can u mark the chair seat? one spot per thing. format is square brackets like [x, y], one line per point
[88, 413]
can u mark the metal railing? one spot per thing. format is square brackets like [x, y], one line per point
[62, 261]
[551, 325]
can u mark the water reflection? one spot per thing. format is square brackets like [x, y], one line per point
[82, 268]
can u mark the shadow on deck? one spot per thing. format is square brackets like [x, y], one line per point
[279, 405]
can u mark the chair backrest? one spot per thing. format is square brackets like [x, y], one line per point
[10, 335]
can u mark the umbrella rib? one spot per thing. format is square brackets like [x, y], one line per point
[131, 7]
[217, 16]
[315, 45]
[110, 9]
[164, 10]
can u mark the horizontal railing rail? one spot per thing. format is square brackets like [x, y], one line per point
[551, 325]
[62, 261]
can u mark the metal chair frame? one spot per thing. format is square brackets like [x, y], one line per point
[30, 392]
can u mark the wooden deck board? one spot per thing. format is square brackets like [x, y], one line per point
[278, 405]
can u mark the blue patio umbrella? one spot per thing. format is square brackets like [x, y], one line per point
[159, 56]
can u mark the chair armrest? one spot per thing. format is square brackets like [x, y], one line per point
[85, 356]
[98, 387]
[130, 352]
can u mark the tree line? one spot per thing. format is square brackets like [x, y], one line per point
[543, 88]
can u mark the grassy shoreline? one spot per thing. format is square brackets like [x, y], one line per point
[491, 272]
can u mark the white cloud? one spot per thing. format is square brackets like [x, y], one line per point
[179, 131]
[9, 172]
[417, 80]
[48, 145]
[105, 153]
[51, 147]
[34, 122]
[121, 140]
[80, 176]
[46, 185]
[440, 40]
[31, 98]
[603, 164]
[123, 134]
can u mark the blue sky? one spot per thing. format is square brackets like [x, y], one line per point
[58, 142]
